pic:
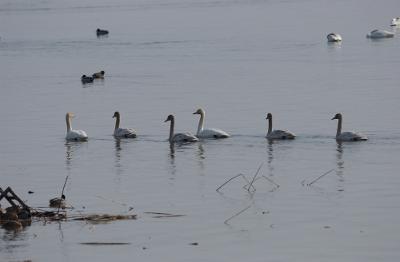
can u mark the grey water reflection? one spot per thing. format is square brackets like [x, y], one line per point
[339, 161]
[117, 160]
[270, 152]
[70, 150]
[118, 149]
[171, 157]
[200, 157]
[121, 146]
[13, 240]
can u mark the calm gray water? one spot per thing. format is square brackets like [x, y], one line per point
[238, 60]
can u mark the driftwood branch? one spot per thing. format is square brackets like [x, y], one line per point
[9, 194]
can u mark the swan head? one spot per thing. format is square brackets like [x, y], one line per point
[102, 72]
[169, 118]
[337, 116]
[269, 116]
[116, 114]
[199, 112]
[70, 115]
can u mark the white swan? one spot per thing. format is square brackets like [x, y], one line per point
[179, 137]
[277, 134]
[210, 132]
[122, 132]
[395, 21]
[74, 135]
[377, 33]
[333, 37]
[347, 136]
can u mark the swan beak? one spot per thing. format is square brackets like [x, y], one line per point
[166, 120]
[333, 118]
[195, 113]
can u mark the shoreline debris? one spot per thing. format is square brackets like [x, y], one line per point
[162, 215]
[58, 202]
[15, 216]
[19, 215]
[104, 243]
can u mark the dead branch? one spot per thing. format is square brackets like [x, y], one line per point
[235, 215]
[243, 176]
[321, 176]
[254, 177]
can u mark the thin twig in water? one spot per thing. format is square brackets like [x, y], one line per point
[62, 193]
[232, 178]
[321, 176]
[266, 178]
[235, 215]
[271, 181]
[254, 177]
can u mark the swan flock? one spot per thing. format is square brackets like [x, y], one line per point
[203, 133]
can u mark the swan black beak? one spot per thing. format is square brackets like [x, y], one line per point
[333, 118]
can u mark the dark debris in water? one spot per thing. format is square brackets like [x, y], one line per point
[162, 215]
[103, 218]
[19, 215]
[104, 243]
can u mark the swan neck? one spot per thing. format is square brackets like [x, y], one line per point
[117, 120]
[201, 123]
[68, 121]
[171, 130]
[269, 125]
[339, 127]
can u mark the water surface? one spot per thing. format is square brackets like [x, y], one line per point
[236, 59]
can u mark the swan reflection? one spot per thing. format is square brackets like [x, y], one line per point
[270, 151]
[71, 149]
[339, 161]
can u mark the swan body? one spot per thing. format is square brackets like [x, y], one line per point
[74, 135]
[98, 75]
[210, 132]
[347, 136]
[333, 37]
[100, 32]
[86, 79]
[395, 21]
[377, 33]
[122, 132]
[179, 137]
[277, 134]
